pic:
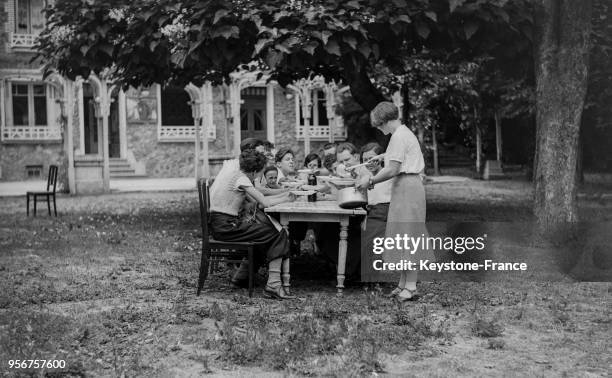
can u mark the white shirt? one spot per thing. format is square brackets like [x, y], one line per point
[381, 193]
[404, 148]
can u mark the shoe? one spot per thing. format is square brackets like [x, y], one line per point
[277, 293]
[394, 292]
[240, 283]
[407, 296]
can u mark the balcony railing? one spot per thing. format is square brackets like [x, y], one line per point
[31, 133]
[182, 133]
[318, 133]
[22, 40]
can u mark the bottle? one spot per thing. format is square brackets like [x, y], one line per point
[312, 180]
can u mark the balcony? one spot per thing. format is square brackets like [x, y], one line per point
[182, 134]
[31, 134]
[321, 133]
[22, 41]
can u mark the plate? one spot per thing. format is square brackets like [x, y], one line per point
[309, 171]
[302, 192]
[292, 184]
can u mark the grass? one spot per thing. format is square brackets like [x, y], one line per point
[112, 291]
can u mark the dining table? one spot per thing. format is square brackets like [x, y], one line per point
[317, 211]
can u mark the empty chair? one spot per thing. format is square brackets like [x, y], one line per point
[47, 195]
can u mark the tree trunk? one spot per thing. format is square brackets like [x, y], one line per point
[434, 145]
[364, 92]
[562, 47]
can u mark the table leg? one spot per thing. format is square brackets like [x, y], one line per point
[284, 221]
[342, 247]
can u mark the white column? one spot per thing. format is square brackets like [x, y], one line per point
[122, 124]
[330, 107]
[235, 114]
[81, 111]
[69, 109]
[270, 126]
[105, 112]
[197, 125]
[306, 100]
[207, 123]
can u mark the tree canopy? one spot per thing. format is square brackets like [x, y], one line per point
[143, 42]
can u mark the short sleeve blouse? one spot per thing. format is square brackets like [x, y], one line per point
[404, 148]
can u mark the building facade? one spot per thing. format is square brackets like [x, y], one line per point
[145, 132]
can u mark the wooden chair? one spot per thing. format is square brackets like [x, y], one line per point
[214, 251]
[48, 194]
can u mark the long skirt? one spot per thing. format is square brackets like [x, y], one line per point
[406, 216]
[375, 228]
[270, 243]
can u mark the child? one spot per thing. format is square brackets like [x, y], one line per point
[330, 163]
[271, 175]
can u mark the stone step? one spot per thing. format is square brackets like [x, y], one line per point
[126, 175]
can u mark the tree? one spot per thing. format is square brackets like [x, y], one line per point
[562, 37]
[145, 41]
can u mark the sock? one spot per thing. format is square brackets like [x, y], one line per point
[402, 281]
[243, 271]
[411, 280]
[274, 273]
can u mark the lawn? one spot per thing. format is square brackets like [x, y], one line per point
[109, 287]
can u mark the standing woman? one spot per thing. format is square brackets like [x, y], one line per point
[403, 165]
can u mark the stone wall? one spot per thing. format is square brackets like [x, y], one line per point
[285, 132]
[175, 159]
[15, 157]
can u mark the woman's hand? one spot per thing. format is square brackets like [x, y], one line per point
[291, 197]
[363, 182]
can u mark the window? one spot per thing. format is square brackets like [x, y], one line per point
[33, 171]
[319, 123]
[319, 112]
[176, 123]
[28, 104]
[176, 110]
[29, 18]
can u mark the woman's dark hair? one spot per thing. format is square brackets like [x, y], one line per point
[281, 154]
[269, 169]
[329, 145]
[311, 157]
[346, 146]
[328, 161]
[252, 161]
[369, 147]
[250, 143]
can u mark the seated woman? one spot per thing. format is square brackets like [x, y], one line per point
[227, 195]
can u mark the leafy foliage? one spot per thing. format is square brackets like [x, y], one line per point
[141, 42]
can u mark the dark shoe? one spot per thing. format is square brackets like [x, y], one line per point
[240, 283]
[277, 293]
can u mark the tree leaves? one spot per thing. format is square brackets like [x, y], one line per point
[454, 4]
[332, 47]
[219, 15]
[226, 31]
[470, 29]
[423, 30]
